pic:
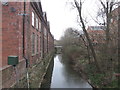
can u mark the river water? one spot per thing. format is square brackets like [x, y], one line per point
[61, 75]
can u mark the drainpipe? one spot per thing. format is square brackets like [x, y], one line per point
[42, 32]
[24, 35]
[24, 31]
[26, 60]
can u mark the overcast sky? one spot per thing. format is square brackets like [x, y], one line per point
[58, 15]
[61, 15]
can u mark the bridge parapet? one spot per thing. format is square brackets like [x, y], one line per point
[58, 49]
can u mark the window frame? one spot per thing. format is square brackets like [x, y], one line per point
[40, 29]
[37, 23]
[33, 43]
[37, 44]
[33, 19]
[45, 32]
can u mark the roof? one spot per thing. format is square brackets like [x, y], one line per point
[58, 46]
[96, 27]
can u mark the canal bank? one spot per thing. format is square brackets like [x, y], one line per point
[63, 76]
[36, 73]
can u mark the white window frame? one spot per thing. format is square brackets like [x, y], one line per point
[33, 19]
[36, 23]
[45, 32]
[40, 26]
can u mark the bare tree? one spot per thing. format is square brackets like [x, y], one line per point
[106, 13]
[81, 37]
[78, 5]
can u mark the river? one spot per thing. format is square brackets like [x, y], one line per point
[61, 75]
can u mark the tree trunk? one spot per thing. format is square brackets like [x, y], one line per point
[79, 8]
[119, 44]
[88, 51]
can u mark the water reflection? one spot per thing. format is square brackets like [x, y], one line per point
[64, 77]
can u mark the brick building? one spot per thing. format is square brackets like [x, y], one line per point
[114, 25]
[97, 34]
[26, 34]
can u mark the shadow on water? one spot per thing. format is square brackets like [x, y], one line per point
[61, 75]
[47, 79]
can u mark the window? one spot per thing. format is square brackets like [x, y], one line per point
[117, 18]
[41, 46]
[111, 20]
[45, 32]
[33, 43]
[33, 16]
[4, 2]
[40, 26]
[37, 23]
[37, 43]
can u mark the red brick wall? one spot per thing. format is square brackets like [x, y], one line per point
[50, 42]
[12, 39]
[45, 41]
[13, 32]
[0, 35]
[10, 31]
[37, 32]
[96, 36]
[12, 36]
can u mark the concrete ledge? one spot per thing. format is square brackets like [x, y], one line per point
[36, 73]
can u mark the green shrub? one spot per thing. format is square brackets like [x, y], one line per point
[96, 79]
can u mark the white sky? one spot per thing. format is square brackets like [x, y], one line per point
[61, 15]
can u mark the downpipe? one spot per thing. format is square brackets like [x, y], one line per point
[26, 60]
[27, 73]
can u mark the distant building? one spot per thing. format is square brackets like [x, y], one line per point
[96, 33]
[25, 34]
[114, 25]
